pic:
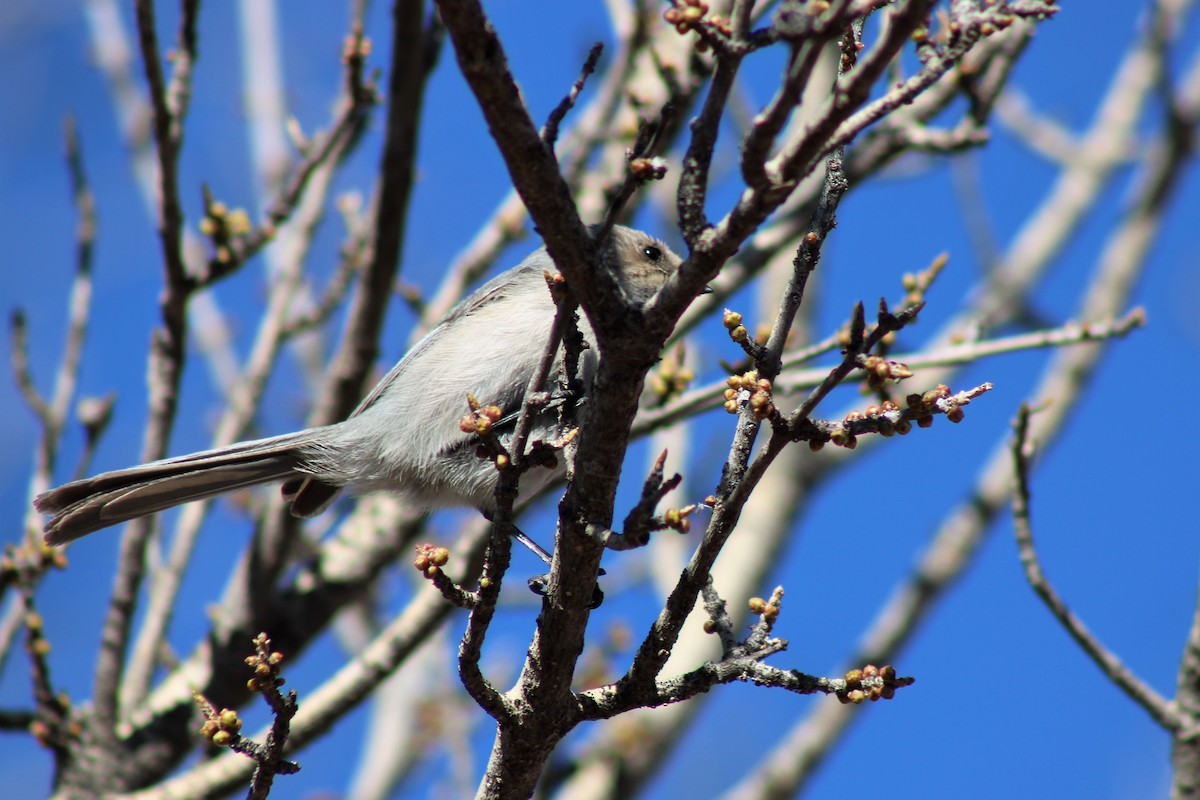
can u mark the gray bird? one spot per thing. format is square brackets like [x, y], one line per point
[405, 436]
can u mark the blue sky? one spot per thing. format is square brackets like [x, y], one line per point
[1005, 705]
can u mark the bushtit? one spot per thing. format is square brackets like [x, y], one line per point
[405, 436]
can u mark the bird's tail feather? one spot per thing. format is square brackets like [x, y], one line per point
[81, 507]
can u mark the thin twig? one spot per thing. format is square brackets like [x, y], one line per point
[167, 352]
[18, 331]
[360, 343]
[962, 533]
[1140, 692]
[705, 398]
[349, 686]
[320, 155]
[549, 132]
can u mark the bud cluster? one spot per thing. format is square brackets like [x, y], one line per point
[556, 282]
[686, 14]
[871, 683]
[480, 420]
[16, 561]
[265, 663]
[880, 370]
[916, 284]
[760, 401]
[356, 47]
[881, 414]
[767, 609]
[924, 406]
[222, 225]
[430, 559]
[672, 377]
[222, 727]
[677, 518]
[648, 169]
[733, 323]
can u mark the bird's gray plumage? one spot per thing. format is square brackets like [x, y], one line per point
[404, 437]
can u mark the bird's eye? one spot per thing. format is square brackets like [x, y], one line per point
[653, 253]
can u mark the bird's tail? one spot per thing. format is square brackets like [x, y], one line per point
[81, 507]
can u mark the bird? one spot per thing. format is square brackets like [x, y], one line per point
[405, 436]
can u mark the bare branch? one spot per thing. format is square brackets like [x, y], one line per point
[359, 349]
[549, 132]
[1114, 669]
